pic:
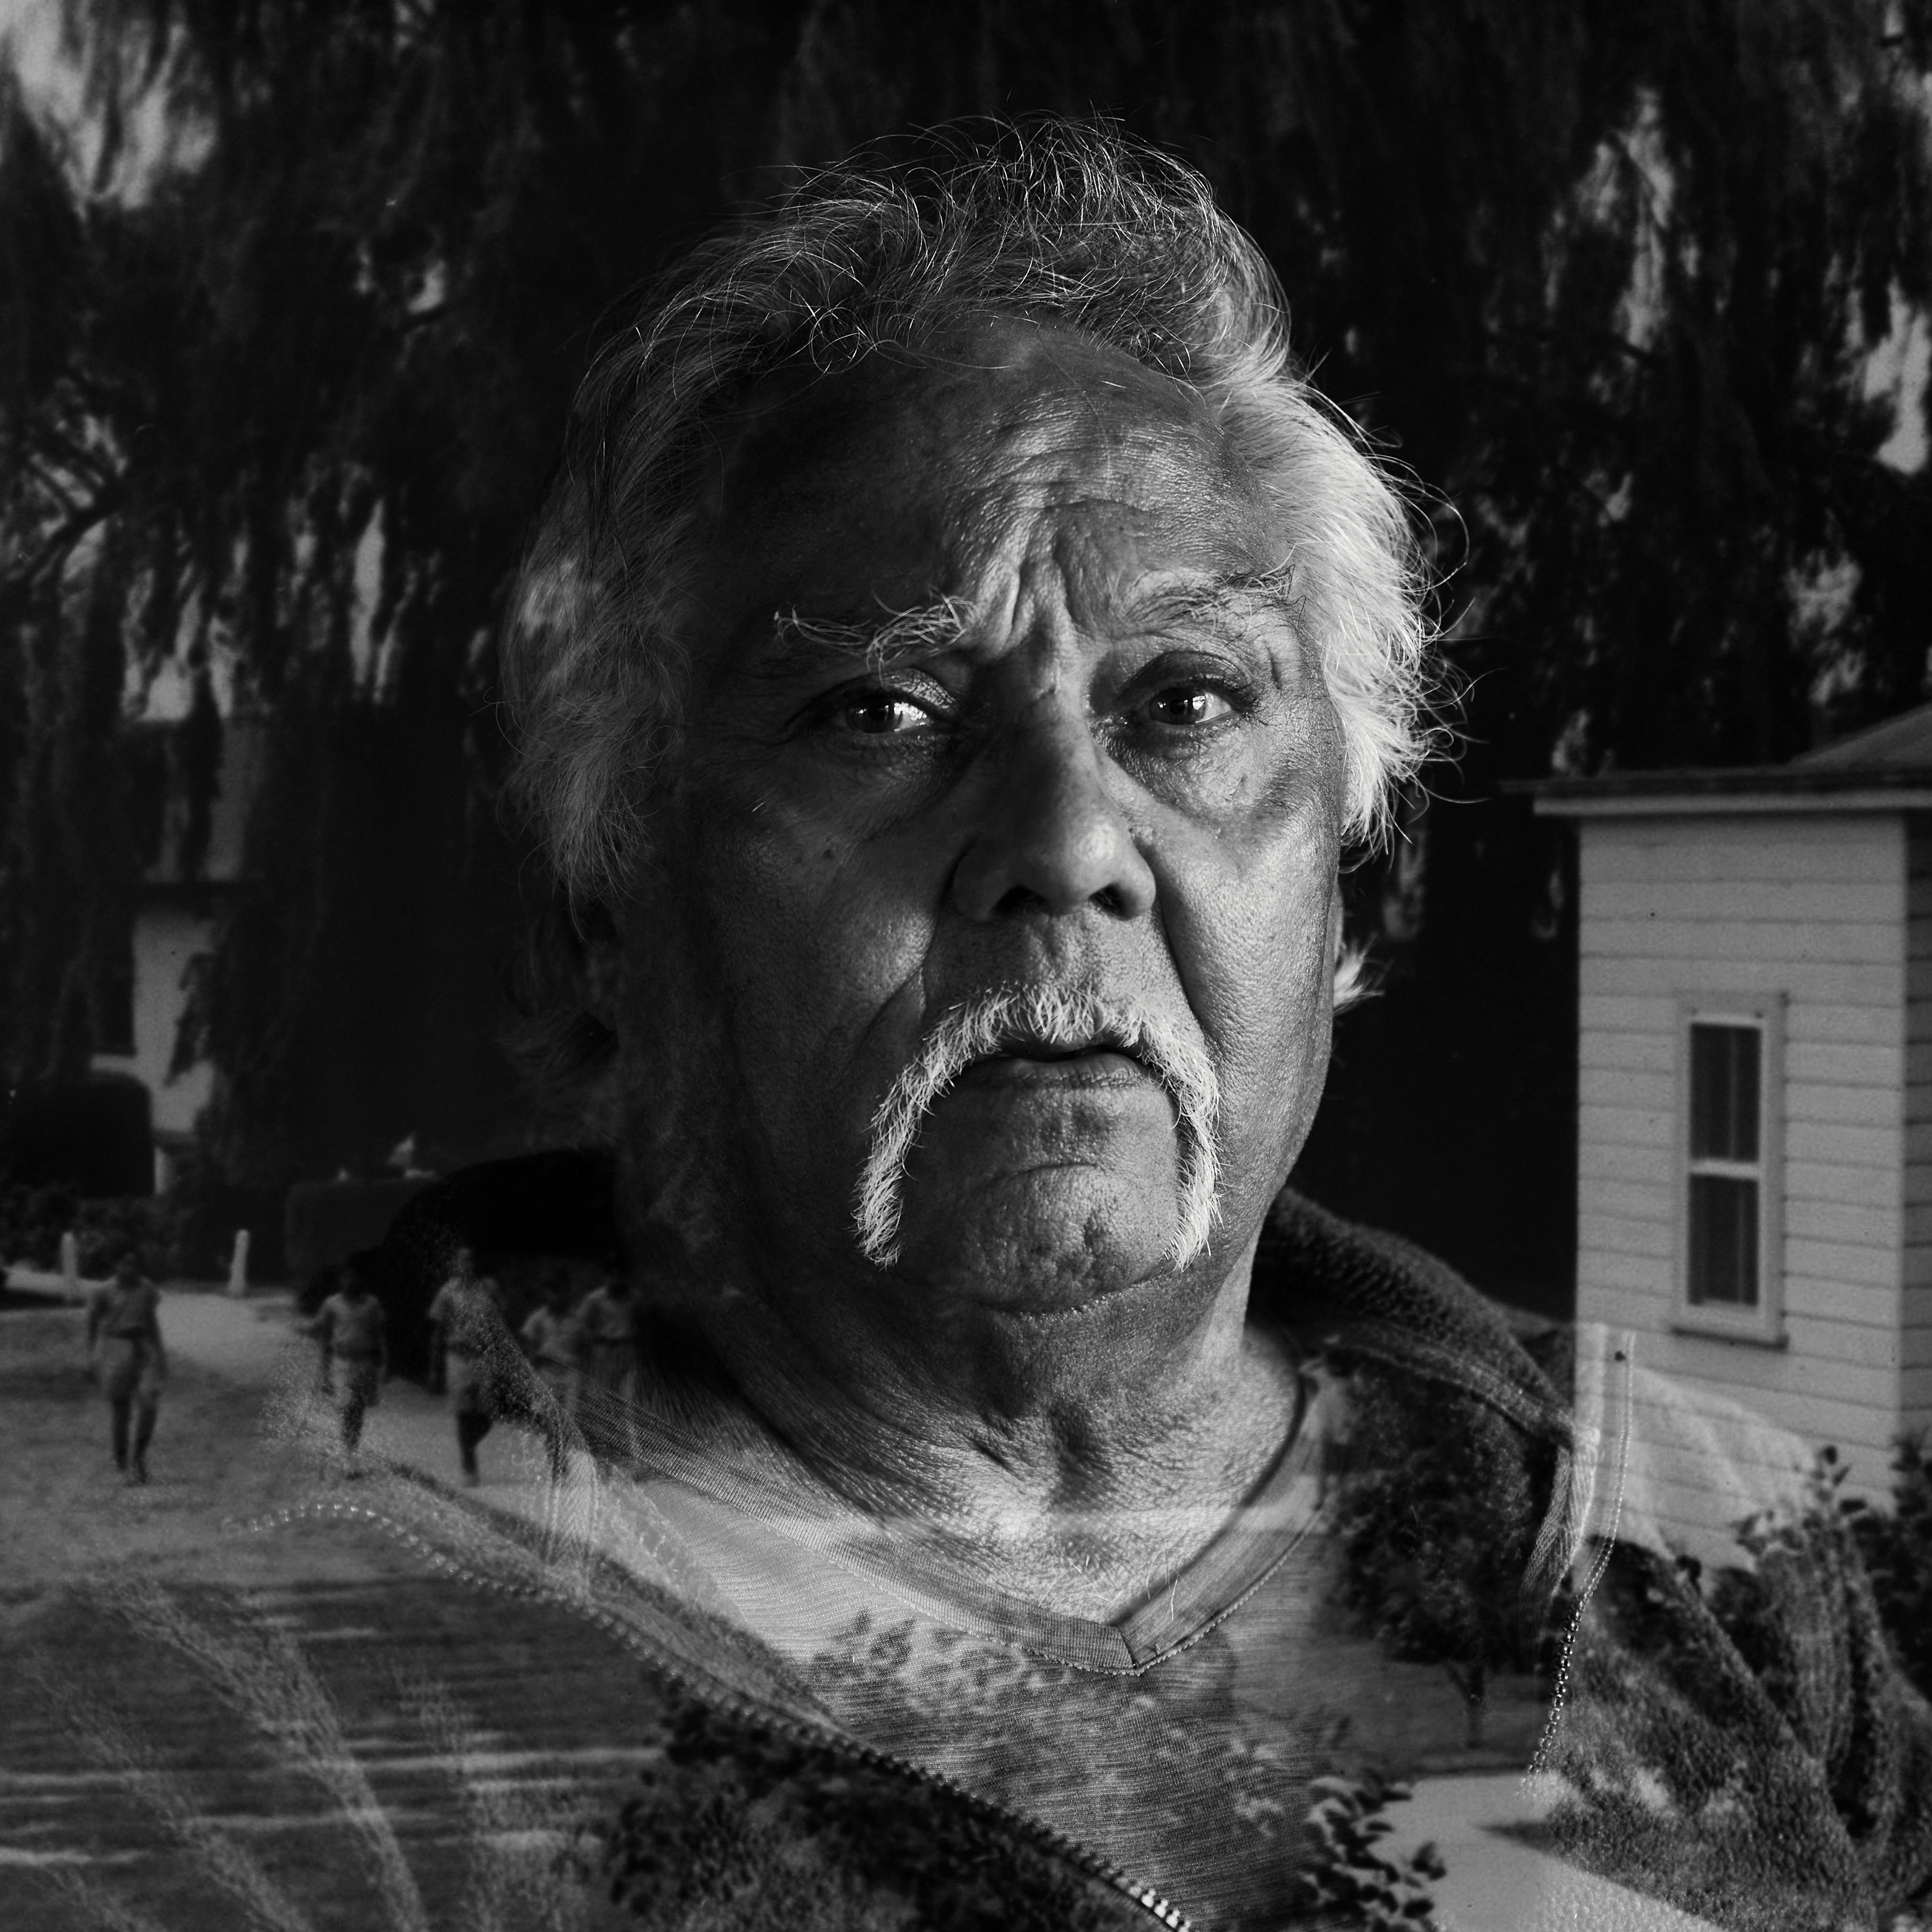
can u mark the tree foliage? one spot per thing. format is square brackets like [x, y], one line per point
[278, 390]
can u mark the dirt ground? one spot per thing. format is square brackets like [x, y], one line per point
[138, 1777]
[68, 1515]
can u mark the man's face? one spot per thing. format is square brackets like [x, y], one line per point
[1097, 754]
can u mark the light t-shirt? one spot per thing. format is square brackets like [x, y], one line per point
[353, 1329]
[467, 1314]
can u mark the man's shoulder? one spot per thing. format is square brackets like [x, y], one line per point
[1357, 1293]
[1666, 1460]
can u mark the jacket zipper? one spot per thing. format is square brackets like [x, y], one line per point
[735, 1704]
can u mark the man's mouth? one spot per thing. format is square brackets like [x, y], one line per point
[1061, 1069]
[1102, 1064]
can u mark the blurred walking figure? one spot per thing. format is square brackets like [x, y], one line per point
[467, 1322]
[549, 1340]
[353, 1332]
[124, 1342]
[607, 1350]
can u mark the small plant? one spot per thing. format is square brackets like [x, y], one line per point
[1896, 1544]
[1347, 1880]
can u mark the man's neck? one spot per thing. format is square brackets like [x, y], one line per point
[1080, 1458]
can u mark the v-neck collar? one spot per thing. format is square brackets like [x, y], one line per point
[1260, 1533]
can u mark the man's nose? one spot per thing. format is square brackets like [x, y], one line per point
[1052, 838]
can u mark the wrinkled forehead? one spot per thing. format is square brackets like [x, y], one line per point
[898, 476]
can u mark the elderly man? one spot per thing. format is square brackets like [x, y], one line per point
[948, 674]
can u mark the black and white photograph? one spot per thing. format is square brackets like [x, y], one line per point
[965, 967]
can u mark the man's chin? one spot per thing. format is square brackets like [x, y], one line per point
[1049, 1241]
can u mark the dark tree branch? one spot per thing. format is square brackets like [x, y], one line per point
[53, 551]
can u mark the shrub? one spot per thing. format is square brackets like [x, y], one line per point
[1894, 1543]
[1431, 1530]
[1346, 1880]
[742, 1831]
[32, 1220]
[1896, 1546]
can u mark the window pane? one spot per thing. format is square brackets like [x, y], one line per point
[1724, 1092]
[1723, 1240]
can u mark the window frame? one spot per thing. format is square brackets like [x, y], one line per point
[1765, 1322]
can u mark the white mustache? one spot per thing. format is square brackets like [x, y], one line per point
[1069, 1019]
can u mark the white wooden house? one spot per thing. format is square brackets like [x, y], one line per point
[1755, 1129]
[172, 930]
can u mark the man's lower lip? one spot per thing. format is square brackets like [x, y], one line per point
[1101, 1067]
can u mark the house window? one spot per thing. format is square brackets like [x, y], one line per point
[1729, 1134]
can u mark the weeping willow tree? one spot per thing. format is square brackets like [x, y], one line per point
[290, 315]
[281, 390]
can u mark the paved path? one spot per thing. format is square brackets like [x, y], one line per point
[1496, 1883]
[484, 1728]
[255, 1341]
[482, 1736]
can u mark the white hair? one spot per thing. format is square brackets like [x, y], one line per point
[1069, 225]
[1058, 1018]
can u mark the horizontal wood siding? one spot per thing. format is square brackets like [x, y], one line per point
[1826, 848]
[1915, 1331]
[1816, 908]
[1694, 1483]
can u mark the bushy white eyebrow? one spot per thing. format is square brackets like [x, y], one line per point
[1175, 602]
[891, 637]
[923, 629]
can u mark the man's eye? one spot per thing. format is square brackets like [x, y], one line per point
[1187, 705]
[880, 714]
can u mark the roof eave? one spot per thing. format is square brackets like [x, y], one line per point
[1771, 788]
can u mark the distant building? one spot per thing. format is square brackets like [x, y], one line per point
[173, 929]
[1755, 1129]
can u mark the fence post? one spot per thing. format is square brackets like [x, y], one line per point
[238, 1266]
[69, 1265]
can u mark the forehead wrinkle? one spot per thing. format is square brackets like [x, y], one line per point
[1033, 484]
[1172, 596]
[1078, 401]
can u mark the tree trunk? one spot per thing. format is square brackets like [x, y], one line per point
[1471, 1680]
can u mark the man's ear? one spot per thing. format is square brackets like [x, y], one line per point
[1350, 963]
[600, 960]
